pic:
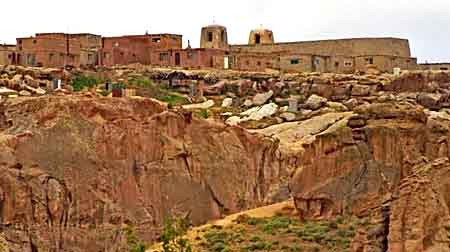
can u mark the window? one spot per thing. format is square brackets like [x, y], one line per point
[336, 64]
[50, 56]
[295, 61]
[222, 36]
[121, 53]
[444, 68]
[210, 36]
[191, 55]
[163, 56]
[257, 39]
[369, 60]
[156, 40]
[9, 56]
[348, 63]
[34, 41]
[258, 63]
[247, 62]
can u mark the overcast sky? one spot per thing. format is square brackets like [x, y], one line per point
[426, 23]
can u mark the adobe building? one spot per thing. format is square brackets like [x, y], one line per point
[261, 52]
[214, 36]
[8, 55]
[261, 36]
[435, 66]
[339, 56]
[136, 48]
[58, 50]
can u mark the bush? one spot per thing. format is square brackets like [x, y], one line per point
[172, 236]
[79, 82]
[141, 82]
[276, 223]
[134, 244]
[204, 113]
[259, 246]
[172, 100]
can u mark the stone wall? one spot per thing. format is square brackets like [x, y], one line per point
[348, 47]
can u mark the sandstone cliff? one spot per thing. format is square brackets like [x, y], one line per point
[75, 168]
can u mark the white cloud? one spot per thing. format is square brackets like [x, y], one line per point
[424, 23]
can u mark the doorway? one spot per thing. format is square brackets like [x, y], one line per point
[177, 59]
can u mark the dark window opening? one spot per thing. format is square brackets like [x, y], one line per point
[163, 56]
[121, 53]
[134, 55]
[336, 64]
[257, 39]
[369, 61]
[210, 36]
[156, 40]
[247, 62]
[191, 55]
[50, 56]
[222, 36]
[444, 68]
[9, 56]
[295, 61]
[348, 64]
[34, 41]
[258, 63]
[20, 41]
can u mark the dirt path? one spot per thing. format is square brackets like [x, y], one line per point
[262, 212]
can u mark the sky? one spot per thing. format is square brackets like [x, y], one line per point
[424, 23]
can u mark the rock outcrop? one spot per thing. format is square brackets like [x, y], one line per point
[75, 168]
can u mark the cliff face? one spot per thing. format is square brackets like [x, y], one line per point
[75, 168]
[374, 162]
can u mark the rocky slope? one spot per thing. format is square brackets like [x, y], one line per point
[78, 168]
[74, 168]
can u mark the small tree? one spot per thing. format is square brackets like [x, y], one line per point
[134, 244]
[172, 236]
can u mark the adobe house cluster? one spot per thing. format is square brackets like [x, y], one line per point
[261, 52]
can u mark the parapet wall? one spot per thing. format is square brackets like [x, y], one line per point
[345, 47]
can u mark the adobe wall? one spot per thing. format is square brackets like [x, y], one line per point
[345, 47]
[136, 49]
[189, 58]
[435, 66]
[7, 55]
[48, 50]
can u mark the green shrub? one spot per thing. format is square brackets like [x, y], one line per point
[134, 244]
[172, 236]
[79, 82]
[172, 100]
[277, 222]
[203, 113]
[255, 221]
[140, 82]
[259, 246]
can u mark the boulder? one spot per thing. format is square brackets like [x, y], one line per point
[227, 102]
[361, 90]
[315, 102]
[350, 104]
[287, 116]
[204, 105]
[6, 91]
[338, 107]
[248, 103]
[430, 101]
[261, 99]
[24, 93]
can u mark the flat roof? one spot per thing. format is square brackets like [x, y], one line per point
[145, 35]
[434, 64]
[317, 41]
